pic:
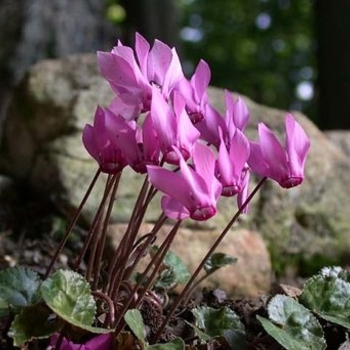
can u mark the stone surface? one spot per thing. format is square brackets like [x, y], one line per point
[250, 276]
[305, 227]
[341, 138]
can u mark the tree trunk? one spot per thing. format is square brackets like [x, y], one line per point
[333, 30]
[154, 19]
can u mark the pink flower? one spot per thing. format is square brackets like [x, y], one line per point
[173, 126]
[195, 91]
[100, 342]
[193, 191]
[232, 169]
[237, 114]
[231, 164]
[139, 146]
[282, 164]
[236, 117]
[132, 77]
[98, 141]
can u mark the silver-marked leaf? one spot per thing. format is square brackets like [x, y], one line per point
[19, 287]
[294, 326]
[335, 271]
[68, 294]
[34, 322]
[221, 322]
[329, 296]
[218, 260]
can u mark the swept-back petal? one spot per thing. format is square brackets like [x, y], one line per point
[240, 113]
[204, 161]
[174, 209]
[173, 75]
[273, 152]
[210, 125]
[239, 151]
[170, 183]
[200, 79]
[159, 60]
[256, 160]
[142, 48]
[89, 141]
[297, 144]
[163, 119]
[150, 142]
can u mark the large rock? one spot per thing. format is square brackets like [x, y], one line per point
[306, 226]
[251, 276]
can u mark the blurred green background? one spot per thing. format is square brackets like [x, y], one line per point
[289, 54]
[261, 48]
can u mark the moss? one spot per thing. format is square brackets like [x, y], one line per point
[300, 264]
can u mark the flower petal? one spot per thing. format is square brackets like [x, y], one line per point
[174, 209]
[297, 144]
[159, 60]
[273, 152]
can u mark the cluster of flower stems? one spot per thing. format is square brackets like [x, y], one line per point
[163, 126]
[115, 289]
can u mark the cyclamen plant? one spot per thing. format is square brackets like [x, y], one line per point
[163, 126]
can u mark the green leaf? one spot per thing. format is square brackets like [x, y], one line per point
[134, 320]
[175, 344]
[221, 322]
[297, 327]
[204, 337]
[218, 260]
[68, 294]
[329, 296]
[4, 308]
[19, 287]
[34, 322]
[176, 271]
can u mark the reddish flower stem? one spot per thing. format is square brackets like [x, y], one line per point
[96, 258]
[157, 259]
[95, 224]
[183, 294]
[121, 255]
[72, 223]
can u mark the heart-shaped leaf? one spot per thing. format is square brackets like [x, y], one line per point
[34, 322]
[68, 294]
[294, 326]
[176, 271]
[220, 322]
[328, 294]
[19, 287]
[218, 260]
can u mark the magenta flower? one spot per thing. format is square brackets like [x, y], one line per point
[100, 342]
[99, 143]
[139, 146]
[209, 127]
[236, 117]
[231, 164]
[191, 192]
[282, 164]
[237, 114]
[132, 77]
[173, 126]
[195, 91]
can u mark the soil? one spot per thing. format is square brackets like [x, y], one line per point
[30, 231]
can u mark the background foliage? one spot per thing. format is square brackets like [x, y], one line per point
[264, 49]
